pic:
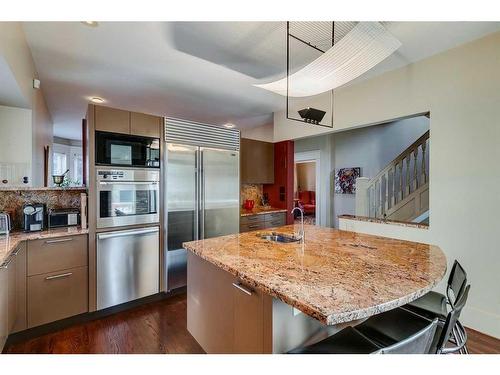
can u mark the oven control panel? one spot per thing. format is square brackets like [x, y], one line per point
[132, 174]
[110, 175]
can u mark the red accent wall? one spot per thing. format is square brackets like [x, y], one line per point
[283, 178]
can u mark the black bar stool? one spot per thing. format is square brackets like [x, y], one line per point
[396, 325]
[434, 304]
[351, 341]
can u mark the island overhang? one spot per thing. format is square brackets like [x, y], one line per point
[335, 276]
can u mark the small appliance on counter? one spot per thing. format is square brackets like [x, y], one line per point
[5, 223]
[249, 204]
[265, 200]
[63, 217]
[33, 217]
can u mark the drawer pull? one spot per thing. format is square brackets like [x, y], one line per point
[59, 240]
[59, 276]
[254, 226]
[252, 218]
[242, 288]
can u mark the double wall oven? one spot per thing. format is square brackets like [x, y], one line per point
[128, 244]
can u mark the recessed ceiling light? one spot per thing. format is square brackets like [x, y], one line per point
[90, 23]
[96, 99]
[229, 125]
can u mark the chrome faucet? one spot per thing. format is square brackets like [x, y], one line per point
[301, 232]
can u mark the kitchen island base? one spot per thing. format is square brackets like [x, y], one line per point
[226, 316]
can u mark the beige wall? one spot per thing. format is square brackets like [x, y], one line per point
[15, 51]
[42, 136]
[306, 176]
[259, 133]
[460, 88]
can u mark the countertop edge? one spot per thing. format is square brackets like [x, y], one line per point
[244, 213]
[383, 221]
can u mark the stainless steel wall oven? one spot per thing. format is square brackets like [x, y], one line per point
[127, 197]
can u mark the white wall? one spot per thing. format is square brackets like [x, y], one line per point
[14, 50]
[460, 88]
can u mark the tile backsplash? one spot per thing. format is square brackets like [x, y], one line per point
[252, 191]
[12, 201]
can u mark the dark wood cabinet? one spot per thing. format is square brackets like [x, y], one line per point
[259, 222]
[257, 162]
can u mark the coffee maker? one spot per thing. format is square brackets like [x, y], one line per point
[33, 217]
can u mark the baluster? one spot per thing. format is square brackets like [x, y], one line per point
[424, 172]
[408, 182]
[386, 193]
[415, 169]
[379, 197]
[400, 192]
[393, 187]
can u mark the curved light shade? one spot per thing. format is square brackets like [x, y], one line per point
[365, 46]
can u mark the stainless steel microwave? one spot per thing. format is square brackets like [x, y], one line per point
[124, 150]
[127, 197]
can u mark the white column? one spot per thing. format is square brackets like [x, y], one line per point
[362, 202]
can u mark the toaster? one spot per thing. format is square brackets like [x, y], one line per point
[5, 223]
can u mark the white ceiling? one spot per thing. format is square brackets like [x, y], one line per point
[201, 71]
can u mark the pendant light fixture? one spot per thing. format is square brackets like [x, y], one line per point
[364, 46]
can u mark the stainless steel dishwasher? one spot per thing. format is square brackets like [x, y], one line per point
[128, 265]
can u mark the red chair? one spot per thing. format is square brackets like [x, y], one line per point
[307, 201]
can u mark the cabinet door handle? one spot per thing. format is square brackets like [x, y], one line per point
[242, 288]
[59, 276]
[59, 240]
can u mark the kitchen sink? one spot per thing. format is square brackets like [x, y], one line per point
[279, 237]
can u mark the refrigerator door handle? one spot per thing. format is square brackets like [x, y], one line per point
[202, 198]
[197, 194]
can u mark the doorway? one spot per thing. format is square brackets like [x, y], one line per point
[307, 186]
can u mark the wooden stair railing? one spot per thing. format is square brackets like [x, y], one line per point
[405, 175]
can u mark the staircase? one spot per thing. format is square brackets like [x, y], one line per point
[400, 191]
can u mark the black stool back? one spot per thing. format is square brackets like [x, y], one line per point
[456, 283]
[450, 322]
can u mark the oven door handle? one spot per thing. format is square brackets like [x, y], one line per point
[102, 236]
[128, 182]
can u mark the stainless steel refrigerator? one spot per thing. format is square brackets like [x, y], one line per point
[202, 189]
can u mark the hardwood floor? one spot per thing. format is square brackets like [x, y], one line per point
[157, 327]
[479, 343]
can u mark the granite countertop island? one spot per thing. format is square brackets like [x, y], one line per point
[9, 242]
[335, 277]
